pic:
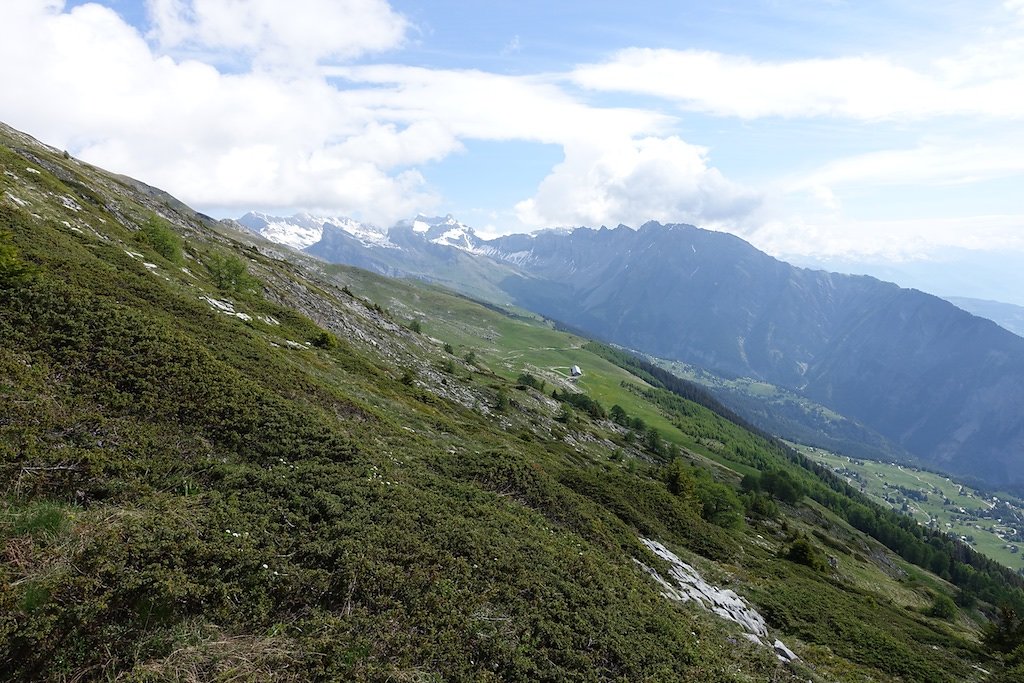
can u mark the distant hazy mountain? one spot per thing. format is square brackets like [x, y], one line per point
[943, 384]
[935, 380]
[1008, 316]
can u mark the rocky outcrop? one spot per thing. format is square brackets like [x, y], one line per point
[688, 585]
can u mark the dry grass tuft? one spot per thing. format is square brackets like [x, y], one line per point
[226, 659]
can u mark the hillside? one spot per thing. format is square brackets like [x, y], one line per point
[906, 373]
[223, 460]
[785, 412]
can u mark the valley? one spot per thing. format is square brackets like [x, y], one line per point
[991, 522]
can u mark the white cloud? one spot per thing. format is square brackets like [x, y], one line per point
[215, 140]
[632, 181]
[950, 162]
[617, 167]
[477, 104]
[350, 139]
[344, 139]
[826, 237]
[983, 79]
[858, 87]
[275, 32]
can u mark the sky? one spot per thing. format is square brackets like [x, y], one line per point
[870, 136]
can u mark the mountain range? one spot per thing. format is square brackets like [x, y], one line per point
[936, 381]
[223, 459]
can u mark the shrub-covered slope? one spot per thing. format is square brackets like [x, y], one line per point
[216, 464]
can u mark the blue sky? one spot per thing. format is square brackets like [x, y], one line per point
[873, 136]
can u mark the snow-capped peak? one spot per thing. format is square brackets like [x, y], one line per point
[446, 231]
[303, 229]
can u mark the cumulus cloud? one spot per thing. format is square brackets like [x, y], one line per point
[232, 141]
[339, 138]
[619, 164]
[631, 181]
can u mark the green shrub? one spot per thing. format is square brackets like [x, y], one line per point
[802, 551]
[324, 340]
[942, 607]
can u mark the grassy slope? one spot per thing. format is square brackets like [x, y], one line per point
[192, 494]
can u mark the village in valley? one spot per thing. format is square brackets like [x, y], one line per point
[991, 522]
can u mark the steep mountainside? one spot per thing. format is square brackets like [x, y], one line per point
[222, 460]
[919, 372]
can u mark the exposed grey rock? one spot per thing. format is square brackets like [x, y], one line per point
[783, 653]
[688, 585]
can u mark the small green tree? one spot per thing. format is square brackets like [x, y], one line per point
[653, 442]
[760, 505]
[13, 271]
[501, 403]
[679, 479]
[162, 239]
[229, 273]
[719, 504]
[416, 326]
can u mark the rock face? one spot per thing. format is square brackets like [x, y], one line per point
[687, 584]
